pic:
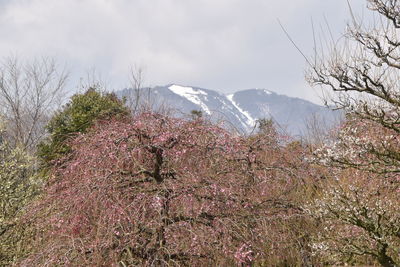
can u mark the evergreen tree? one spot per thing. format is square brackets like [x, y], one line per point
[76, 117]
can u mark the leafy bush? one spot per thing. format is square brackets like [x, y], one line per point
[76, 117]
[18, 186]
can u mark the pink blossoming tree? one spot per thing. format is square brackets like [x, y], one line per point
[153, 190]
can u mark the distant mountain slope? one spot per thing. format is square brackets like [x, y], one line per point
[290, 113]
[241, 109]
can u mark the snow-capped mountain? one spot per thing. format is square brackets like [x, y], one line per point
[240, 110]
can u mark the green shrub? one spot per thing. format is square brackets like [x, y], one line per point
[18, 186]
[76, 117]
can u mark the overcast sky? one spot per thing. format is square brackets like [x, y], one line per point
[225, 45]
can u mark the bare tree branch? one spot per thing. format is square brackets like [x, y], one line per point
[29, 93]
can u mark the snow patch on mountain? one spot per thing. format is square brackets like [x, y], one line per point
[268, 92]
[192, 95]
[249, 120]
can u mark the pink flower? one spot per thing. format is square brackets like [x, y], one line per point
[244, 255]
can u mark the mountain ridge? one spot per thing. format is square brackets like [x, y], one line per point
[242, 108]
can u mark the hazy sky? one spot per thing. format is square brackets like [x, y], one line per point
[224, 45]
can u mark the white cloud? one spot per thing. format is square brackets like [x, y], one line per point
[221, 44]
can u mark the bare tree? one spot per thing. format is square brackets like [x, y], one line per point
[360, 205]
[364, 70]
[139, 98]
[364, 67]
[136, 82]
[29, 93]
[319, 131]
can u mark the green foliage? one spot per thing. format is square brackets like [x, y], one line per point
[76, 117]
[18, 186]
[267, 129]
[266, 125]
[15, 184]
[196, 114]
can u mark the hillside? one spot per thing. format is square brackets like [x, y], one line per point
[240, 110]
